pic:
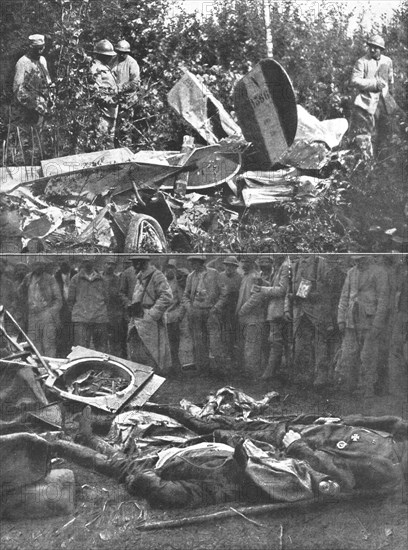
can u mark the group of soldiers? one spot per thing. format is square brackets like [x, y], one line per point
[116, 76]
[114, 72]
[313, 320]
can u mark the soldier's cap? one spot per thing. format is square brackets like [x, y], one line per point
[139, 257]
[36, 39]
[172, 263]
[231, 260]
[200, 257]
[265, 260]
[111, 261]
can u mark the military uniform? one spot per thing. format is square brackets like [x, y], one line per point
[398, 359]
[115, 314]
[362, 309]
[174, 316]
[358, 454]
[31, 89]
[312, 319]
[106, 90]
[278, 326]
[227, 319]
[87, 300]
[251, 312]
[147, 337]
[372, 106]
[41, 299]
[203, 296]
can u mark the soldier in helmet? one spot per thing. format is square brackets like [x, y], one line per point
[127, 73]
[107, 90]
[373, 78]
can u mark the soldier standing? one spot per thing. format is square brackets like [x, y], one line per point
[106, 91]
[115, 309]
[361, 319]
[174, 315]
[231, 280]
[204, 295]
[312, 320]
[374, 104]
[31, 84]
[41, 300]
[127, 73]
[147, 337]
[87, 300]
[251, 311]
[274, 295]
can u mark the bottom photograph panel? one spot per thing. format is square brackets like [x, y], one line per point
[134, 388]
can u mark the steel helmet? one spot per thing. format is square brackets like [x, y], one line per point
[376, 40]
[104, 47]
[123, 46]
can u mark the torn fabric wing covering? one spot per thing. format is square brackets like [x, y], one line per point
[147, 430]
[196, 104]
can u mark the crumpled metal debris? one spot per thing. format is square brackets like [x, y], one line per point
[89, 377]
[94, 201]
[197, 105]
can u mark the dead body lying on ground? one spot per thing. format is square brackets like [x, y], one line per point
[266, 460]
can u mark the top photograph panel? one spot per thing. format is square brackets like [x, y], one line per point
[203, 127]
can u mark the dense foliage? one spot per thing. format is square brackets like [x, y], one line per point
[316, 49]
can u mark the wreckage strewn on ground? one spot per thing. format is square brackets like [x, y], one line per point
[225, 450]
[116, 200]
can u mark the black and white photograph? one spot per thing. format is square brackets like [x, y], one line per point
[199, 400]
[234, 125]
[204, 274]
